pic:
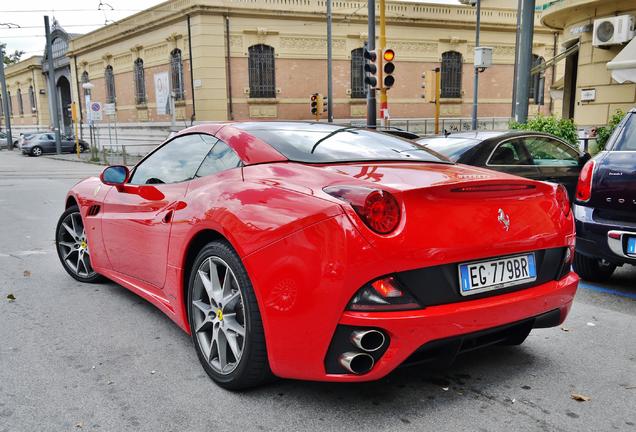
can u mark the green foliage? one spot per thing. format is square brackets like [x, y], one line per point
[562, 128]
[11, 58]
[604, 132]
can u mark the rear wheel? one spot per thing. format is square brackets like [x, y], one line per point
[225, 321]
[36, 151]
[593, 269]
[72, 246]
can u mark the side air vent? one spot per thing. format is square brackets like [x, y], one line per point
[93, 210]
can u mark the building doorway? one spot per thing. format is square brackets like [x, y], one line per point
[569, 85]
[64, 100]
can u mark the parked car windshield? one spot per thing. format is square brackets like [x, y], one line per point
[323, 143]
[452, 148]
[626, 141]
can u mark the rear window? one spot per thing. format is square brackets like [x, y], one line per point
[452, 148]
[324, 143]
[626, 140]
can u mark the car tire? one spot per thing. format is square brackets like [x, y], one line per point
[72, 249]
[208, 301]
[592, 269]
[36, 151]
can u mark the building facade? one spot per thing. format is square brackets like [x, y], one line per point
[587, 91]
[27, 91]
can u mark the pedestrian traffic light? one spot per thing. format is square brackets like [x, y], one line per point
[370, 68]
[389, 68]
[428, 84]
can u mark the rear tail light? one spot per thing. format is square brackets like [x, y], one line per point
[384, 294]
[379, 209]
[563, 200]
[584, 187]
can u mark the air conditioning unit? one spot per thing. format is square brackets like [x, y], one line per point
[613, 30]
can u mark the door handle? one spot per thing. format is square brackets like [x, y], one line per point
[167, 218]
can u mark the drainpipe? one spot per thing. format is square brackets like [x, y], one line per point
[552, 80]
[79, 99]
[228, 69]
[194, 109]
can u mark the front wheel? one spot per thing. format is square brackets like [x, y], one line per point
[593, 269]
[72, 246]
[225, 321]
[36, 151]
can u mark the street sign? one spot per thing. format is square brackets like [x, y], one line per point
[109, 109]
[96, 110]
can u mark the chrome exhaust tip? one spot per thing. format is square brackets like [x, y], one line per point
[368, 340]
[357, 363]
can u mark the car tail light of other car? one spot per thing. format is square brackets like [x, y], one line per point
[379, 209]
[584, 187]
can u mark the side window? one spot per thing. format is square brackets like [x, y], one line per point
[220, 158]
[510, 153]
[546, 151]
[175, 161]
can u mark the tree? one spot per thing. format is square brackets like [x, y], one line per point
[11, 58]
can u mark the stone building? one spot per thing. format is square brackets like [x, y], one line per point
[27, 91]
[593, 81]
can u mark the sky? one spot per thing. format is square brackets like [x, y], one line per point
[74, 16]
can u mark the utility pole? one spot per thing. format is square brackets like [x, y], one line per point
[52, 92]
[516, 69]
[476, 69]
[438, 91]
[371, 107]
[524, 56]
[5, 102]
[329, 66]
[384, 103]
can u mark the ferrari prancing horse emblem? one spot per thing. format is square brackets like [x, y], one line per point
[504, 219]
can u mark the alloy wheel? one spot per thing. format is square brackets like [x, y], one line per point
[218, 315]
[73, 246]
[37, 151]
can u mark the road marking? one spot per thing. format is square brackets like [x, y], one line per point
[609, 291]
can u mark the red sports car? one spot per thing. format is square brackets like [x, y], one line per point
[321, 252]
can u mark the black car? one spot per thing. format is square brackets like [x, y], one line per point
[534, 155]
[605, 206]
[40, 143]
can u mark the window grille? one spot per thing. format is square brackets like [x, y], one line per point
[109, 78]
[59, 47]
[451, 85]
[176, 73]
[10, 104]
[357, 74]
[262, 71]
[32, 99]
[85, 79]
[140, 83]
[1, 107]
[535, 80]
[20, 102]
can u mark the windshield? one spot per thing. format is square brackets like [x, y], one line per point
[452, 148]
[325, 143]
[626, 140]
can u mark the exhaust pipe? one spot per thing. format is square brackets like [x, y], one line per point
[357, 363]
[368, 340]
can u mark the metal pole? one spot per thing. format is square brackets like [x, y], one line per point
[5, 102]
[384, 103]
[52, 92]
[329, 67]
[516, 68]
[438, 86]
[371, 107]
[476, 79]
[524, 55]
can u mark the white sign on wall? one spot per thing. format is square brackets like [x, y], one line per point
[162, 91]
[109, 109]
[588, 95]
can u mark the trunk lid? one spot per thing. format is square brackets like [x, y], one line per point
[614, 182]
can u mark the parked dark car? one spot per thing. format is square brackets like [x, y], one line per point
[41, 143]
[4, 143]
[534, 155]
[605, 206]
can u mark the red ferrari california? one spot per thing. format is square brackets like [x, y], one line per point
[320, 252]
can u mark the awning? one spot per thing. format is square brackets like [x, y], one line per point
[623, 67]
[557, 58]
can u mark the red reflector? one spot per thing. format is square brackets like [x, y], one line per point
[614, 235]
[387, 288]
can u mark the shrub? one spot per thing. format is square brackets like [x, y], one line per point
[562, 128]
[603, 133]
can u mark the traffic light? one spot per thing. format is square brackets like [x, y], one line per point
[317, 104]
[428, 84]
[324, 103]
[370, 68]
[389, 67]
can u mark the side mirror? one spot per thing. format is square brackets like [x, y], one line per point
[115, 175]
[584, 158]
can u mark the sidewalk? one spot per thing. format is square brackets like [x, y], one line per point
[109, 159]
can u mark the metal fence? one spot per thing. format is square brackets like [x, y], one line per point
[426, 126]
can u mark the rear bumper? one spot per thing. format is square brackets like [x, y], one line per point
[592, 236]
[411, 331]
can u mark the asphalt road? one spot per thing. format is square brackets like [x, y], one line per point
[98, 358]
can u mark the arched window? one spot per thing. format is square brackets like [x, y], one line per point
[140, 82]
[32, 99]
[262, 71]
[10, 103]
[109, 78]
[357, 73]
[1, 107]
[20, 102]
[59, 47]
[176, 74]
[535, 88]
[85, 79]
[451, 75]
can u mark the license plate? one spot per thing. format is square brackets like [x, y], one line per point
[480, 276]
[631, 246]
